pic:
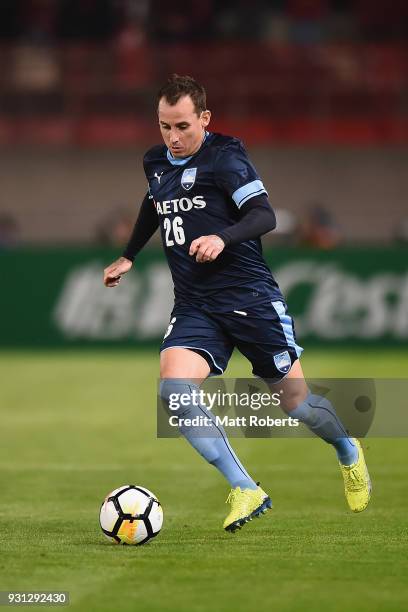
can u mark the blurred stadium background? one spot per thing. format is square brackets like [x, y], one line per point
[318, 91]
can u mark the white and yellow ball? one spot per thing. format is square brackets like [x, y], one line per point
[131, 515]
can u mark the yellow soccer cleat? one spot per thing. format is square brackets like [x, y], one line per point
[245, 505]
[357, 483]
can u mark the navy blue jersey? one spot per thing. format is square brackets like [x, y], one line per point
[201, 195]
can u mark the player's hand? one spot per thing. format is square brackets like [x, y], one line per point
[113, 273]
[206, 248]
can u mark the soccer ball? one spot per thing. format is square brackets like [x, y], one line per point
[131, 515]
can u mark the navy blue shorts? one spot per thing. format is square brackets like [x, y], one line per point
[265, 335]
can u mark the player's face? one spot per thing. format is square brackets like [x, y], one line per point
[182, 129]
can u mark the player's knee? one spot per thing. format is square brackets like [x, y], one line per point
[313, 407]
[294, 398]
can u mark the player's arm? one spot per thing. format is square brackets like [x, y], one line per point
[145, 226]
[236, 176]
[257, 218]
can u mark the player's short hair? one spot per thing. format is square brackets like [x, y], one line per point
[178, 86]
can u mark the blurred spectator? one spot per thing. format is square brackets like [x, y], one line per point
[308, 20]
[115, 230]
[134, 60]
[240, 19]
[8, 231]
[132, 22]
[285, 231]
[179, 21]
[35, 68]
[318, 229]
[39, 20]
[401, 232]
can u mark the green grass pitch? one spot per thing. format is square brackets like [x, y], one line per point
[75, 425]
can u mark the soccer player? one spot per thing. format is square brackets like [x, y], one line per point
[212, 207]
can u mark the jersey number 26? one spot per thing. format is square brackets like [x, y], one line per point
[178, 231]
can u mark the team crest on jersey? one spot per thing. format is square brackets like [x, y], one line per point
[282, 362]
[188, 178]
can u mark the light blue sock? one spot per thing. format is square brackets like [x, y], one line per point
[210, 440]
[318, 414]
